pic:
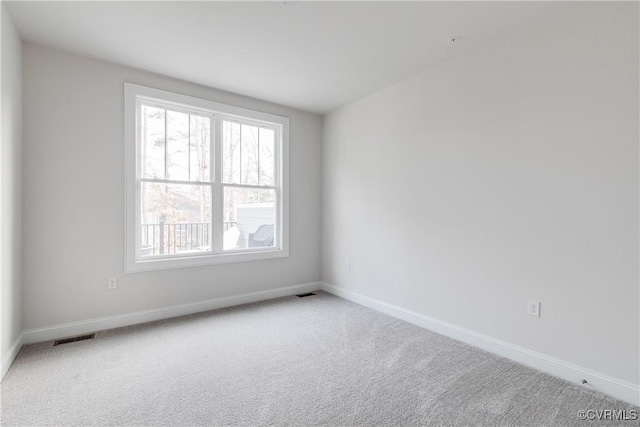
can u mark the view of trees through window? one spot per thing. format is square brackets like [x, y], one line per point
[176, 215]
[248, 160]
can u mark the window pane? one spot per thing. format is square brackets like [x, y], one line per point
[231, 152]
[177, 145]
[200, 148]
[249, 218]
[152, 144]
[175, 219]
[267, 168]
[249, 155]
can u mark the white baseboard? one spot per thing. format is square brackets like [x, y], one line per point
[99, 324]
[619, 389]
[9, 356]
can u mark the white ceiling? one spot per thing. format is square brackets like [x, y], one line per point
[314, 56]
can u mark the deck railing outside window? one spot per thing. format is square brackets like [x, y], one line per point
[167, 238]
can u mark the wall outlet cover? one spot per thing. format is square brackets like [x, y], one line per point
[533, 308]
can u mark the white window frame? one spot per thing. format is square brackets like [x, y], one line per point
[133, 94]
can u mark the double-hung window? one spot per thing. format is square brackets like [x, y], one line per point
[205, 182]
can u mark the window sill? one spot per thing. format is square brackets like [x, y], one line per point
[203, 260]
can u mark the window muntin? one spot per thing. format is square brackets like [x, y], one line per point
[208, 182]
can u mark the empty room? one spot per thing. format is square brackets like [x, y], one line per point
[320, 213]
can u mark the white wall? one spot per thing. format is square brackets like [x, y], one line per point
[74, 198]
[506, 174]
[10, 190]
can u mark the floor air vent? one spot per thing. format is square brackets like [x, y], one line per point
[74, 339]
[305, 295]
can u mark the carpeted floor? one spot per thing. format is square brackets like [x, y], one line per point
[318, 360]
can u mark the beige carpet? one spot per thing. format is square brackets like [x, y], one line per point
[318, 360]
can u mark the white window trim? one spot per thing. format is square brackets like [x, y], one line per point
[132, 262]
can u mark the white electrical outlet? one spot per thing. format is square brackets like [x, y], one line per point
[347, 266]
[533, 308]
[113, 283]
